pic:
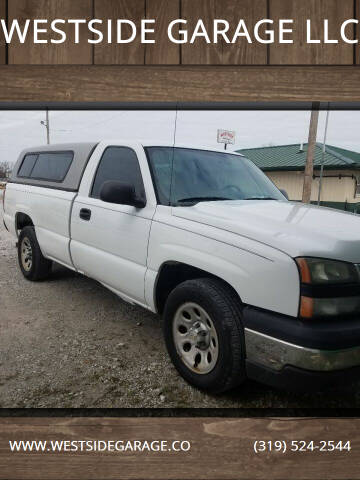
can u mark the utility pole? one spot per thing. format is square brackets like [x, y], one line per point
[323, 156]
[46, 124]
[309, 167]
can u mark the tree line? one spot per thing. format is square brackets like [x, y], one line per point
[5, 169]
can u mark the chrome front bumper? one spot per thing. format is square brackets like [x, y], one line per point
[275, 354]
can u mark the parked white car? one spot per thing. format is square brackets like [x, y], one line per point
[248, 283]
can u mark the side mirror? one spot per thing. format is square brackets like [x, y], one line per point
[121, 194]
[284, 192]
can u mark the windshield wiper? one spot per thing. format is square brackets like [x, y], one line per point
[260, 198]
[201, 199]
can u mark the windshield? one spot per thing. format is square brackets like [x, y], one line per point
[200, 175]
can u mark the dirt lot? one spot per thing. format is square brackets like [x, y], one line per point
[68, 342]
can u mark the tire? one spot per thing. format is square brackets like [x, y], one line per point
[34, 266]
[217, 308]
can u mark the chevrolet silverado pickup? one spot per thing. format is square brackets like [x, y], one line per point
[249, 284]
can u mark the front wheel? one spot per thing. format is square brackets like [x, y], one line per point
[33, 264]
[204, 334]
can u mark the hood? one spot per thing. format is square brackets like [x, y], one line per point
[294, 228]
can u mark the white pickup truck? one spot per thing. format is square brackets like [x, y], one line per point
[248, 283]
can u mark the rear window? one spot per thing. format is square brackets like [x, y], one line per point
[46, 166]
[27, 166]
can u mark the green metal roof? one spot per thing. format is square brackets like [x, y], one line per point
[289, 157]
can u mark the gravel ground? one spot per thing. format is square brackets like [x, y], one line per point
[69, 342]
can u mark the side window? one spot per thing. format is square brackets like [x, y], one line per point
[121, 164]
[357, 188]
[52, 166]
[27, 165]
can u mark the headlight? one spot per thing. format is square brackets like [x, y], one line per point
[328, 288]
[319, 271]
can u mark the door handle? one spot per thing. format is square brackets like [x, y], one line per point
[85, 214]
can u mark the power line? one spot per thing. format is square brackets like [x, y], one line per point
[102, 121]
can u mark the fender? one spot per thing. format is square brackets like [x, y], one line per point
[265, 281]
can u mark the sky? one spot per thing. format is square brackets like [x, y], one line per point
[22, 129]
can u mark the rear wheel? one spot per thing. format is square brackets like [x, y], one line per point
[204, 334]
[33, 264]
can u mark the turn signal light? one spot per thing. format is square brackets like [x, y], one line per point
[306, 307]
[305, 273]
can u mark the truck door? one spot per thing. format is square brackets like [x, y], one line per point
[109, 241]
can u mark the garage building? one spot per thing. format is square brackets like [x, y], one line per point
[285, 165]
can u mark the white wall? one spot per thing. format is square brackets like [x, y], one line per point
[333, 189]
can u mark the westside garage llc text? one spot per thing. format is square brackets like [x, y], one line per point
[124, 31]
